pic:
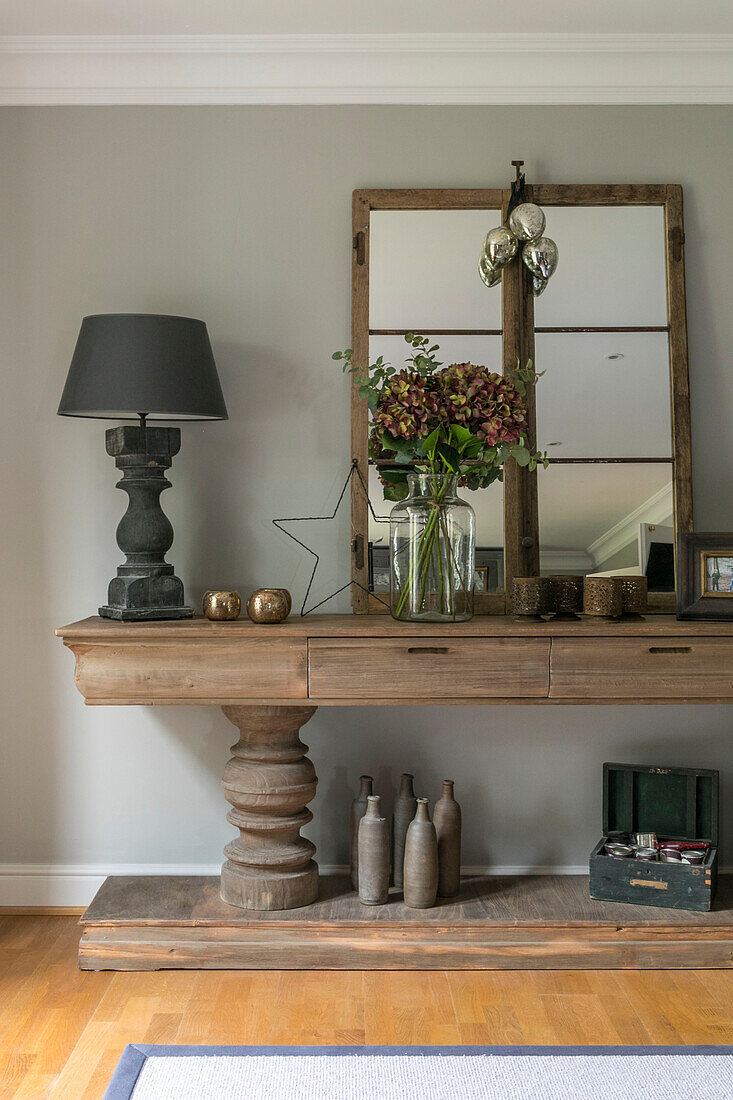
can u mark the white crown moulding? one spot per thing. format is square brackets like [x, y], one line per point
[368, 68]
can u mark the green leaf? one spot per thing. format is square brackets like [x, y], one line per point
[430, 442]
[373, 401]
[337, 355]
[521, 456]
[395, 442]
[450, 456]
[460, 436]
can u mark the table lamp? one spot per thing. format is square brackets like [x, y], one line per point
[139, 365]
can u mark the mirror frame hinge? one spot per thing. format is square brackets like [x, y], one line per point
[360, 247]
[676, 241]
[357, 549]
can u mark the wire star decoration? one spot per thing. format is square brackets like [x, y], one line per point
[354, 470]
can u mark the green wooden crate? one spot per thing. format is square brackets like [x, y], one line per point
[674, 803]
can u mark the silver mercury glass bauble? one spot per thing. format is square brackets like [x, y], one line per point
[541, 256]
[500, 246]
[527, 221]
[489, 275]
[539, 285]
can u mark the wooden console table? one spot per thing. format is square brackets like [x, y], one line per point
[269, 680]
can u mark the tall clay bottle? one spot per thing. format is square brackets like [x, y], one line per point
[447, 819]
[358, 809]
[405, 805]
[373, 854]
[421, 860]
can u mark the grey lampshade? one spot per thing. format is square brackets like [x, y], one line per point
[125, 364]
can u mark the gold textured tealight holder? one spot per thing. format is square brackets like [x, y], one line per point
[602, 597]
[531, 598]
[269, 605]
[567, 595]
[634, 594]
[221, 605]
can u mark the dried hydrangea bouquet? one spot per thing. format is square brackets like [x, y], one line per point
[434, 428]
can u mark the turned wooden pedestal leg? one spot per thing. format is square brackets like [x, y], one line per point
[269, 782]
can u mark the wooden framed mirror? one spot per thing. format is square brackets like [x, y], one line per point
[611, 410]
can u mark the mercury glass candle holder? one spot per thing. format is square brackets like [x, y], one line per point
[633, 596]
[602, 597]
[531, 597]
[567, 595]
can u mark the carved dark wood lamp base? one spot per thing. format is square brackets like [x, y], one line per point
[145, 586]
[130, 365]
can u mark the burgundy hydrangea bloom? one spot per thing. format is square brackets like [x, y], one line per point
[488, 404]
[409, 406]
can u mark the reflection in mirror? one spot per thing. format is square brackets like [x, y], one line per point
[423, 270]
[613, 518]
[603, 395]
[612, 269]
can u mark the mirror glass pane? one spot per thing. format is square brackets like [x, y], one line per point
[607, 518]
[423, 270]
[611, 269]
[603, 395]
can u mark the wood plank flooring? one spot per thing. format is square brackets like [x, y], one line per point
[63, 1030]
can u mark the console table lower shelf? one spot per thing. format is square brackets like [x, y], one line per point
[546, 922]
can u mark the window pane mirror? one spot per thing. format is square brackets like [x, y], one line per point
[611, 409]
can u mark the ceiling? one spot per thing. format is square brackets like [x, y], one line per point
[111, 17]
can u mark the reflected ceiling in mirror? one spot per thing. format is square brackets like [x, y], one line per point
[592, 516]
[612, 269]
[603, 395]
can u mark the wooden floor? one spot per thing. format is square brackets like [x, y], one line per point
[63, 1030]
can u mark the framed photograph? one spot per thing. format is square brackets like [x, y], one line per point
[481, 579]
[490, 559]
[705, 589]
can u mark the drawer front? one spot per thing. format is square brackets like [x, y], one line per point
[393, 669]
[175, 672]
[661, 668]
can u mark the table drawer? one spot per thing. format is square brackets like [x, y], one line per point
[217, 671]
[395, 669]
[647, 667]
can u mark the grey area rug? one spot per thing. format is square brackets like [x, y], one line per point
[425, 1073]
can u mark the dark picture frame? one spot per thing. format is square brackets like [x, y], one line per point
[704, 588]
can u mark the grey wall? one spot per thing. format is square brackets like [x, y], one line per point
[242, 216]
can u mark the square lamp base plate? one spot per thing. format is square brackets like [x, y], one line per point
[145, 614]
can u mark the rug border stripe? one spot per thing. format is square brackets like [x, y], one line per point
[135, 1055]
[172, 1051]
[127, 1072]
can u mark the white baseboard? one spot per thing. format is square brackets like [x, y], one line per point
[62, 885]
[73, 885]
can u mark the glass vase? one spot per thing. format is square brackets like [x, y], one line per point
[432, 552]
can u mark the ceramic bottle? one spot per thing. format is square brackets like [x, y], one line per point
[358, 809]
[404, 810]
[421, 860]
[447, 821]
[373, 854]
